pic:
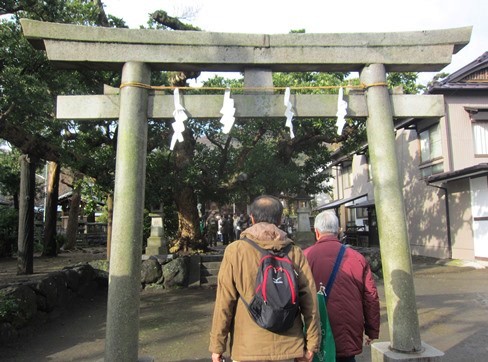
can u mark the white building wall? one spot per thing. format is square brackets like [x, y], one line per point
[460, 132]
[461, 219]
[424, 205]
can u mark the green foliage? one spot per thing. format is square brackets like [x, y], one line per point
[38, 247]
[30, 85]
[60, 240]
[8, 230]
[9, 173]
[311, 79]
[9, 306]
[21, 86]
[81, 12]
[93, 195]
[437, 78]
[407, 80]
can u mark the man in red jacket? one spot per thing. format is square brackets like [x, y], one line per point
[353, 303]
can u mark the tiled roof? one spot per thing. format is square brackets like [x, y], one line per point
[470, 77]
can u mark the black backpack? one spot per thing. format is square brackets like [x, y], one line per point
[275, 304]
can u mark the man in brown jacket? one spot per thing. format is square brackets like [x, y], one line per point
[237, 274]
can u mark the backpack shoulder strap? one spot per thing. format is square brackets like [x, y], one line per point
[285, 250]
[335, 270]
[256, 246]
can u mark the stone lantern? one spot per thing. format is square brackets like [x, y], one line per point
[156, 243]
[304, 233]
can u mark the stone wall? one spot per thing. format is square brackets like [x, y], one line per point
[169, 272]
[35, 301]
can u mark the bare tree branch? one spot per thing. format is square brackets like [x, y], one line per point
[163, 18]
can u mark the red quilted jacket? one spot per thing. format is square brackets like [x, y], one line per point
[353, 303]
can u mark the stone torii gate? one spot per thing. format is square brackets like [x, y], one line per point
[137, 52]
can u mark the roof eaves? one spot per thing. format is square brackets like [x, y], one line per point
[468, 172]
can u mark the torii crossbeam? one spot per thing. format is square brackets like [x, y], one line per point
[137, 52]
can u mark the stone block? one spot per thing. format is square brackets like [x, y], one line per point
[62, 293]
[194, 271]
[381, 352]
[47, 294]
[86, 272]
[176, 272]
[72, 279]
[155, 249]
[151, 271]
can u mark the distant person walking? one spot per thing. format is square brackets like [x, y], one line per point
[232, 323]
[242, 224]
[353, 304]
[227, 230]
[212, 225]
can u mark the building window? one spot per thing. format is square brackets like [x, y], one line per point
[431, 151]
[480, 137]
[346, 175]
[362, 213]
[430, 144]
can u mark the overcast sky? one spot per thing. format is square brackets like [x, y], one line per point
[321, 16]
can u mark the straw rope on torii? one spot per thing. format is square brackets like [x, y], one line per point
[136, 52]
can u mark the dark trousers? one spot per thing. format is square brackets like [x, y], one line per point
[346, 359]
[225, 238]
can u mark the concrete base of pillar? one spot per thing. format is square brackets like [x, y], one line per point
[155, 250]
[156, 245]
[146, 359]
[381, 352]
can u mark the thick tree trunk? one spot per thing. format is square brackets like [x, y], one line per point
[50, 247]
[74, 211]
[188, 225]
[25, 256]
[110, 213]
[185, 198]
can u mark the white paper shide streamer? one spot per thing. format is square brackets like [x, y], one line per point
[341, 111]
[227, 111]
[180, 116]
[288, 113]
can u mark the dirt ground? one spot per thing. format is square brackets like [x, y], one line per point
[44, 265]
[174, 325]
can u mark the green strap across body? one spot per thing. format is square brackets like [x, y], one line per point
[327, 348]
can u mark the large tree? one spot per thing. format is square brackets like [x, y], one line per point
[258, 156]
[30, 86]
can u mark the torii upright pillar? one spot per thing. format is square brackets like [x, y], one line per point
[122, 338]
[403, 322]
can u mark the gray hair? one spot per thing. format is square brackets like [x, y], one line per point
[327, 222]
